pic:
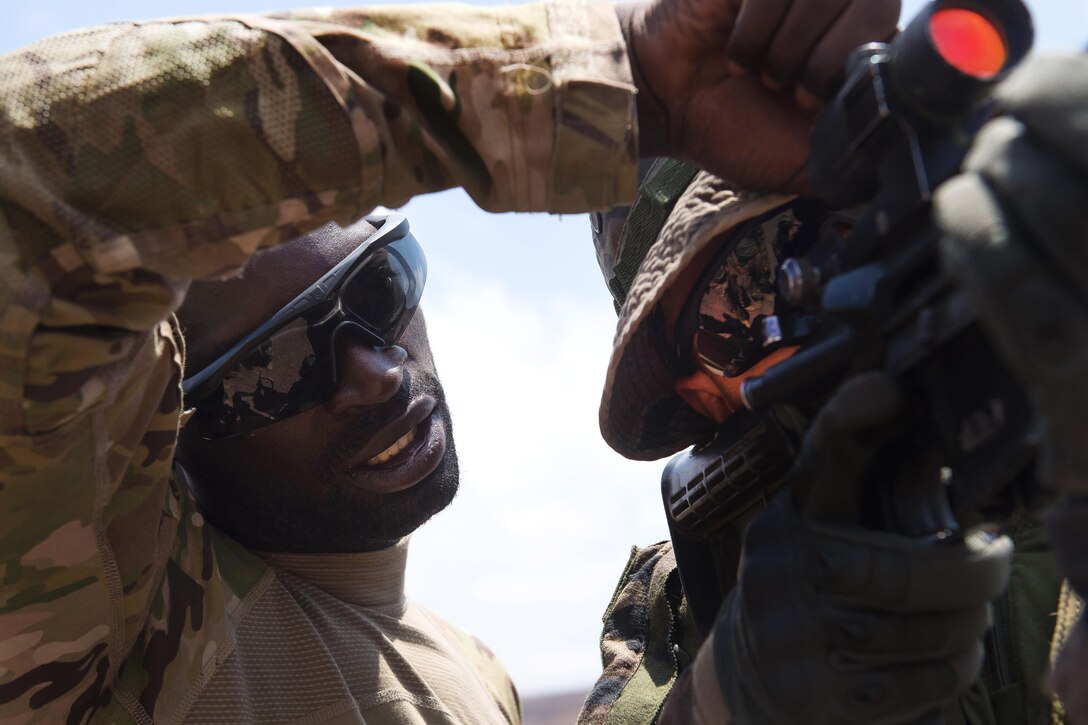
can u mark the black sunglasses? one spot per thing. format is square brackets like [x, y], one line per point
[288, 364]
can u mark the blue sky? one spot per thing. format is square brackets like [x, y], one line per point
[529, 553]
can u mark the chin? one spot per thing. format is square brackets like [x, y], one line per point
[353, 521]
[401, 513]
[268, 511]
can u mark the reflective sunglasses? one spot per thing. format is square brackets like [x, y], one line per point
[289, 363]
[720, 327]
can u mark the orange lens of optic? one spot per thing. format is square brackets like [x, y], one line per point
[968, 42]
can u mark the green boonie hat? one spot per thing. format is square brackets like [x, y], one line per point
[641, 250]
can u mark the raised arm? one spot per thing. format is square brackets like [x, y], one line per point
[136, 156]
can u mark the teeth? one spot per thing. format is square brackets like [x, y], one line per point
[394, 449]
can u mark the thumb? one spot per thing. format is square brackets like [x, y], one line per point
[845, 436]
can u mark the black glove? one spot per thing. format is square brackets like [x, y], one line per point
[833, 623]
[1015, 236]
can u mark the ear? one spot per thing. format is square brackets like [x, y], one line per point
[704, 397]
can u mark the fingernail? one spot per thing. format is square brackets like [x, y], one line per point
[736, 69]
[807, 99]
[771, 82]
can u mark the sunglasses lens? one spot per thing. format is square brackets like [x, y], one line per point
[283, 376]
[384, 292]
[293, 370]
[724, 313]
[724, 353]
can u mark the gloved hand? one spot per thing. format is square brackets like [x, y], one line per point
[833, 623]
[1015, 236]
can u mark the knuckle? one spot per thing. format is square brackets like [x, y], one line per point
[967, 667]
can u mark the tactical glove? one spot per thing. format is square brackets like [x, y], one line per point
[1015, 236]
[833, 623]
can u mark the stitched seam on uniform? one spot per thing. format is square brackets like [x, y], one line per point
[131, 704]
[112, 575]
[383, 697]
[234, 622]
[165, 542]
[323, 714]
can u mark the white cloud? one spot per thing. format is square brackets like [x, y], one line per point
[528, 555]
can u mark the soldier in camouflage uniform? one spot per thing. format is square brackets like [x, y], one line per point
[804, 647]
[138, 157]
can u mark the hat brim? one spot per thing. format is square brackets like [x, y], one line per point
[641, 416]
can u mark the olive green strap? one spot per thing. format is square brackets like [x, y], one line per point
[657, 195]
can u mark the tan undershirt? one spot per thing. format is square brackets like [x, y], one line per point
[333, 639]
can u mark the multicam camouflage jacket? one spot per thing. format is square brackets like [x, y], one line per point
[136, 156]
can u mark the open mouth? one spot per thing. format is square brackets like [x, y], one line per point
[400, 449]
[410, 457]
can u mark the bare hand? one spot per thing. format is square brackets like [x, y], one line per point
[733, 86]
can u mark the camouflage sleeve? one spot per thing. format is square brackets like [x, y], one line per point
[136, 156]
[649, 639]
[656, 668]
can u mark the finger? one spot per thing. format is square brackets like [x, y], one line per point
[897, 574]
[839, 445]
[863, 638]
[904, 490]
[797, 35]
[906, 692]
[1049, 94]
[806, 99]
[862, 21]
[1040, 328]
[1041, 191]
[777, 130]
[755, 26]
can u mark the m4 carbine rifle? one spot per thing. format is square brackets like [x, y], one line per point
[874, 297]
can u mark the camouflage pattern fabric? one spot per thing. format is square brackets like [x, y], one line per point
[135, 156]
[648, 639]
[257, 391]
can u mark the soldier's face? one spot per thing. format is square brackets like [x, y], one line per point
[358, 472]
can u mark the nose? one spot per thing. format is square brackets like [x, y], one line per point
[368, 375]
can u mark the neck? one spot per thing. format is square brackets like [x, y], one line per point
[370, 579]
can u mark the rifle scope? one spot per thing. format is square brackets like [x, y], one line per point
[936, 73]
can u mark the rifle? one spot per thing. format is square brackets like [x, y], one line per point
[875, 298]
